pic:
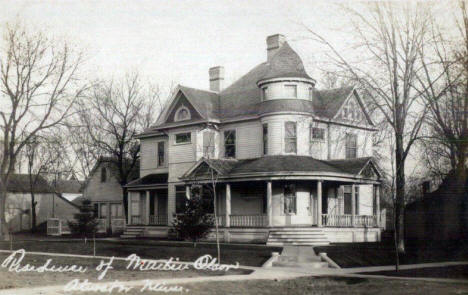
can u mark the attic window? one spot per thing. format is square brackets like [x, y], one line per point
[103, 174]
[182, 114]
[290, 91]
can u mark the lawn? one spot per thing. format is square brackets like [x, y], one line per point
[119, 272]
[383, 253]
[448, 272]
[319, 285]
[230, 254]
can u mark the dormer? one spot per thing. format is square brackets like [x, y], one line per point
[285, 76]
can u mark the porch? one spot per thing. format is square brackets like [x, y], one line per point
[257, 204]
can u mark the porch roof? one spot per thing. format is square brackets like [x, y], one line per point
[149, 180]
[283, 164]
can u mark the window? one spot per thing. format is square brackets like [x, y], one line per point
[182, 114]
[311, 93]
[103, 211]
[290, 91]
[265, 93]
[265, 139]
[116, 210]
[181, 198]
[290, 199]
[183, 138]
[317, 133]
[347, 199]
[208, 144]
[103, 174]
[351, 146]
[96, 210]
[161, 157]
[230, 144]
[356, 193]
[290, 138]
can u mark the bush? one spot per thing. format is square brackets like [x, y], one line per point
[195, 223]
[85, 223]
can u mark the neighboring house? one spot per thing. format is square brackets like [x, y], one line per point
[50, 204]
[103, 189]
[292, 163]
[441, 216]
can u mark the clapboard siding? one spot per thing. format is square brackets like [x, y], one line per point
[182, 153]
[249, 143]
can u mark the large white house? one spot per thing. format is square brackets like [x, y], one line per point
[293, 164]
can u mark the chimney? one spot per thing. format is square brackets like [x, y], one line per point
[216, 78]
[274, 43]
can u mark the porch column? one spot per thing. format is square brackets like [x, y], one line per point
[377, 204]
[129, 208]
[147, 208]
[319, 203]
[187, 192]
[353, 204]
[269, 203]
[228, 205]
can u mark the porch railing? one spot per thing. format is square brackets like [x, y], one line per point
[346, 220]
[158, 220]
[365, 221]
[248, 220]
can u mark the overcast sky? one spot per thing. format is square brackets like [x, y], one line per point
[175, 40]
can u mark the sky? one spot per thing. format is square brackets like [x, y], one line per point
[175, 41]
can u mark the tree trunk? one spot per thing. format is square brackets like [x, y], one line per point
[400, 195]
[33, 213]
[4, 232]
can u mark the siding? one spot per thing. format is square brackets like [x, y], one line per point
[98, 191]
[149, 156]
[249, 142]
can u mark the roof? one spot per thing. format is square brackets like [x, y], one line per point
[133, 174]
[283, 163]
[285, 63]
[326, 103]
[243, 98]
[150, 179]
[20, 183]
[68, 186]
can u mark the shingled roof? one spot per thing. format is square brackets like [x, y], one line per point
[243, 98]
[281, 163]
[20, 183]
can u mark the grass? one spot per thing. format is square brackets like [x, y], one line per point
[383, 253]
[230, 254]
[447, 272]
[320, 285]
[119, 272]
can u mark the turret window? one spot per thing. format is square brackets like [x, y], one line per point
[290, 137]
[290, 91]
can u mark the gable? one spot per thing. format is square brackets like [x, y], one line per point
[352, 111]
[182, 102]
[369, 171]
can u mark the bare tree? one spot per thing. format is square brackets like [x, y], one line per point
[447, 96]
[109, 117]
[388, 39]
[38, 86]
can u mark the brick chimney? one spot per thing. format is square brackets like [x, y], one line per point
[216, 78]
[274, 43]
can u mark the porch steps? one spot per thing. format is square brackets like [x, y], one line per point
[299, 256]
[132, 232]
[297, 236]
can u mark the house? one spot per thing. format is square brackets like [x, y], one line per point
[104, 190]
[439, 217]
[292, 164]
[50, 204]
